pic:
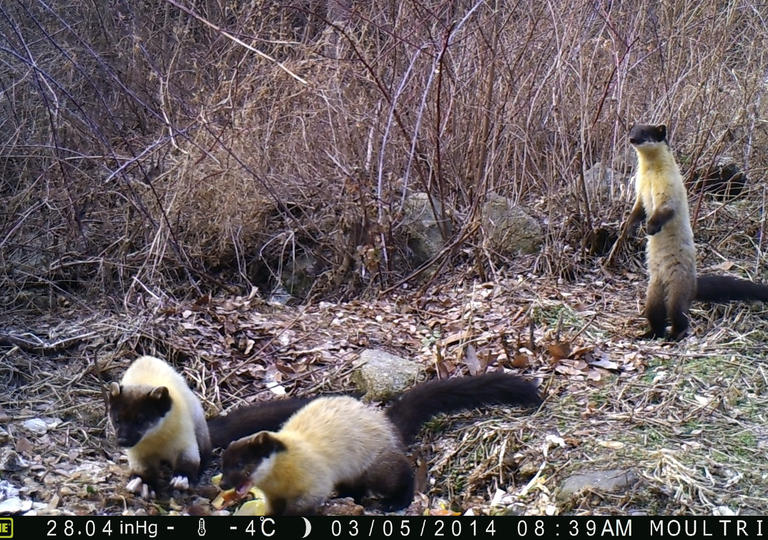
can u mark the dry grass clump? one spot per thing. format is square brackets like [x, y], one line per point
[191, 146]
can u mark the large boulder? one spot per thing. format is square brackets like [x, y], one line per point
[422, 227]
[509, 228]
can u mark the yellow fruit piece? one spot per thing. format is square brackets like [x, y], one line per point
[256, 507]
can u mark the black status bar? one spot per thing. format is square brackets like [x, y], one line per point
[641, 527]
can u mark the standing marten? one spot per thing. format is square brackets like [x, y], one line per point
[670, 252]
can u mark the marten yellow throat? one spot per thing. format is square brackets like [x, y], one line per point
[338, 444]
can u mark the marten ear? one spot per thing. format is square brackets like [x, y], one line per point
[262, 438]
[661, 129]
[265, 443]
[159, 393]
[114, 390]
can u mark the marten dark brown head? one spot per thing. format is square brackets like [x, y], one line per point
[247, 460]
[645, 133]
[135, 410]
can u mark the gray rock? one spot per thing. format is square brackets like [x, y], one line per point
[10, 461]
[509, 228]
[611, 481]
[422, 227]
[382, 375]
[39, 426]
[600, 181]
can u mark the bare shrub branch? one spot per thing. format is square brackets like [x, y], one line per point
[194, 145]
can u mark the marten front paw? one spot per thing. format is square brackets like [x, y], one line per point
[137, 486]
[653, 227]
[180, 482]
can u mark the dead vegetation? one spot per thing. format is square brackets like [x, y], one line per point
[687, 418]
[201, 146]
[167, 164]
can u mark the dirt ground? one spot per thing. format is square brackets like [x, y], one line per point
[687, 418]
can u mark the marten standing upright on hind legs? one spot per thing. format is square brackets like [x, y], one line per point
[670, 252]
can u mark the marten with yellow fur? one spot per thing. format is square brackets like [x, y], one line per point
[161, 423]
[340, 444]
[670, 251]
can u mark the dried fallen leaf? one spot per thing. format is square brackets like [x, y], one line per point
[582, 351]
[605, 364]
[613, 445]
[473, 363]
[342, 507]
[521, 360]
[554, 440]
[456, 337]
[594, 375]
[579, 364]
[559, 350]
[724, 266]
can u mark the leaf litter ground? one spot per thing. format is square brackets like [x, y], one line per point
[687, 418]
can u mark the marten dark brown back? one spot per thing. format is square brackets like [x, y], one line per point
[408, 412]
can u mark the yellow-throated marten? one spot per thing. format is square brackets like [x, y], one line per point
[670, 251]
[340, 444]
[161, 423]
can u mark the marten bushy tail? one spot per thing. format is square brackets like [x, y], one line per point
[711, 288]
[407, 413]
[424, 401]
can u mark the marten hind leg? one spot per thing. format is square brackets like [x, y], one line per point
[395, 481]
[655, 310]
[678, 305]
[390, 480]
